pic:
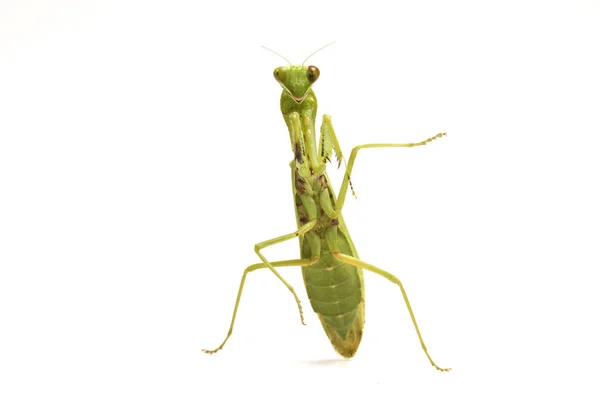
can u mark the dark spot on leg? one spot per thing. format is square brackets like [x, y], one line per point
[323, 181]
[298, 153]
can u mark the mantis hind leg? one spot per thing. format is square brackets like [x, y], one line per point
[361, 264]
[254, 267]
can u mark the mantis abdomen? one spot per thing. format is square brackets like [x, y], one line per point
[336, 293]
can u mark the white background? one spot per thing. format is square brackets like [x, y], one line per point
[142, 155]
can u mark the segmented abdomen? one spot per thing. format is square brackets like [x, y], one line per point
[336, 293]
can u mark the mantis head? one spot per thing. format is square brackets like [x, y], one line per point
[296, 80]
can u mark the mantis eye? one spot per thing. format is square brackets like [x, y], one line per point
[312, 73]
[280, 74]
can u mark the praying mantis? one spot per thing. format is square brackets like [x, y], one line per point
[331, 268]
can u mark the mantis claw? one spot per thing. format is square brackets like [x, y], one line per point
[212, 351]
[301, 314]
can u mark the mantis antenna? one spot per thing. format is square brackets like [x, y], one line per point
[274, 52]
[316, 51]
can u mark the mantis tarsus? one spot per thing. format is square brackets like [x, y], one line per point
[332, 270]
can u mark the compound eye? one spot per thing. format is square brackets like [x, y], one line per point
[313, 73]
[280, 74]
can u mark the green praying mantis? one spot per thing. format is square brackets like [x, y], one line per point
[331, 268]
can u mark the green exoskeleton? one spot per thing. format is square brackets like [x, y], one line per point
[332, 270]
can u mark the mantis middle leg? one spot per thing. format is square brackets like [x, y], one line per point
[259, 246]
[254, 267]
[329, 140]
